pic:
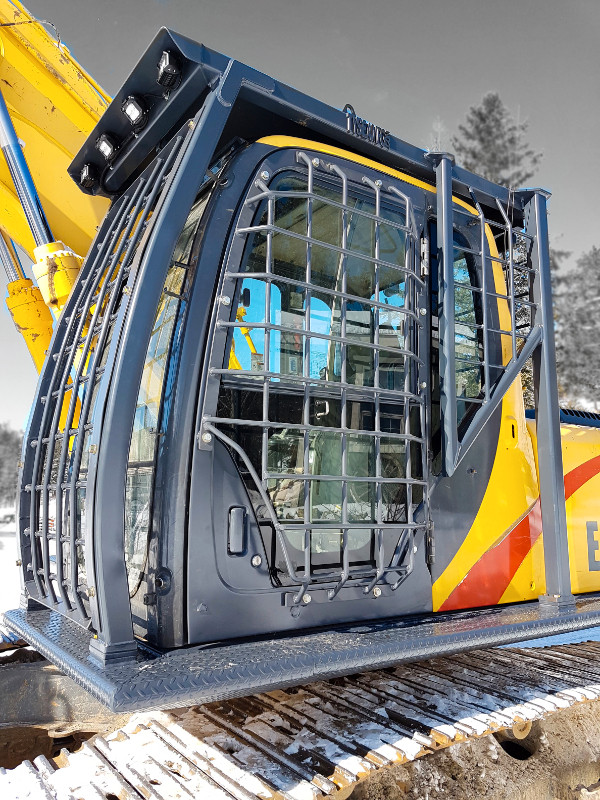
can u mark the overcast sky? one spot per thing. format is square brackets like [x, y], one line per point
[400, 63]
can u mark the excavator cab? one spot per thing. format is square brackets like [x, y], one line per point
[277, 398]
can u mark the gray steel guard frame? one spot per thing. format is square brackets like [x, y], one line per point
[230, 90]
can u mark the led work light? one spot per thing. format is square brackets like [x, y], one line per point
[107, 145]
[168, 71]
[87, 177]
[135, 111]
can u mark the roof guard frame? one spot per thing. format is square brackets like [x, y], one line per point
[225, 88]
[275, 105]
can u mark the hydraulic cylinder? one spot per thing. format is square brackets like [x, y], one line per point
[31, 316]
[55, 269]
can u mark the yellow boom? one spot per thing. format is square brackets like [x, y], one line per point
[53, 104]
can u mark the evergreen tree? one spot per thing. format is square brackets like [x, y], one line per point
[10, 450]
[577, 300]
[493, 144]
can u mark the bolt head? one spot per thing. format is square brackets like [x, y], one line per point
[423, 384]
[315, 162]
[415, 548]
[207, 437]
[224, 300]
[422, 311]
[306, 599]
[377, 591]
[256, 561]
[378, 184]
[265, 175]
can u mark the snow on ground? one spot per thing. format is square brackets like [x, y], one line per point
[574, 637]
[9, 572]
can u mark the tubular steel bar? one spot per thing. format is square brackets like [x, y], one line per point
[105, 295]
[303, 158]
[65, 449]
[511, 278]
[484, 298]
[19, 171]
[47, 430]
[522, 344]
[345, 573]
[552, 488]
[509, 376]
[443, 163]
[76, 454]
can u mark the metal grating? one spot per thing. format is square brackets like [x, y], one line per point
[504, 245]
[53, 498]
[507, 263]
[363, 333]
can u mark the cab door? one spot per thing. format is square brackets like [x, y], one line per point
[315, 398]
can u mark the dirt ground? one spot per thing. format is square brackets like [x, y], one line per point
[559, 760]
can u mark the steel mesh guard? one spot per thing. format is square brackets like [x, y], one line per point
[339, 329]
[54, 474]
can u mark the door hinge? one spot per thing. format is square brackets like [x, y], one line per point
[430, 543]
[424, 257]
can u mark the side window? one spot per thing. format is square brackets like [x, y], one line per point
[147, 423]
[320, 369]
[468, 318]
[467, 327]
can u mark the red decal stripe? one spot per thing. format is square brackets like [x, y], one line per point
[487, 580]
[577, 477]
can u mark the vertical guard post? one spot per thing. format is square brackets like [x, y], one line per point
[117, 400]
[550, 463]
[445, 251]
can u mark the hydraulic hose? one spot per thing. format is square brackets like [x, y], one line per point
[10, 260]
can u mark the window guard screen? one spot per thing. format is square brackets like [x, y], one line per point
[319, 392]
[55, 473]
